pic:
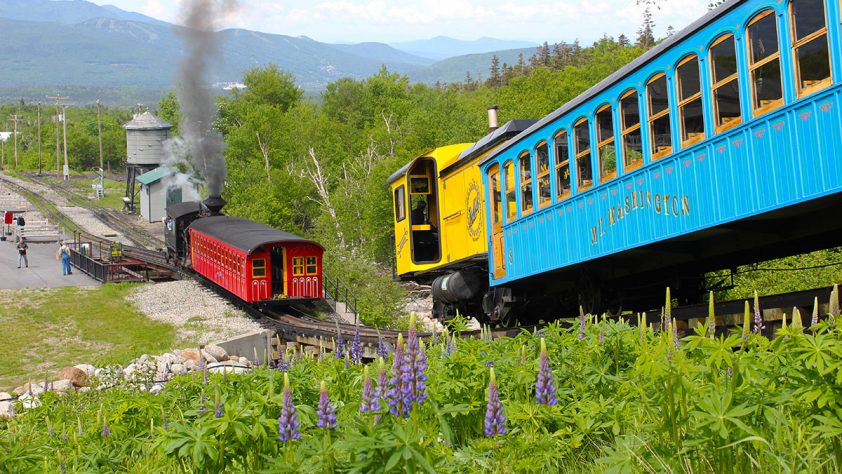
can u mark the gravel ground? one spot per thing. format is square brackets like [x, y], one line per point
[200, 315]
[86, 220]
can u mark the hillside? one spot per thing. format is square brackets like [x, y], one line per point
[454, 70]
[443, 47]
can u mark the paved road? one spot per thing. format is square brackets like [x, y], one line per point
[44, 270]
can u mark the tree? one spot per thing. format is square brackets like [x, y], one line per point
[271, 86]
[645, 35]
[494, 79]
[623, 41]
[170, 110]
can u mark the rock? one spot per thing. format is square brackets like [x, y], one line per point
[245, 361]
[76, 376]
[156, 389]
[129, 370]
[190, 354]
[89, 370]
[208, 357]
[62, 386]
[191, 366]
[84, 389]
[4, 397]
[227, 367]
[178, 369]
[7, 410]
[27, 401]
[35, 388]
[217, 352]
[168, 359]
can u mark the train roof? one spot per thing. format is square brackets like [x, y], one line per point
[488, 142]
[624, 71]
[444, 156]
[183, 208]
[244, 234]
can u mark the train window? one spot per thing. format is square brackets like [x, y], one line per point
[542, 157]
[583, 155]
[630, 124]
[605, 144]
[496, 197]
[764, 63]
[726, 87]
[660, 132]
[690, 115]
[810, 47]
[258, 268]
[400, 204]
[509, 186]
[562, 166]
[525, 165]
[298, 266]
[311, 265]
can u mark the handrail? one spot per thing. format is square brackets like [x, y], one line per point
[340, 292]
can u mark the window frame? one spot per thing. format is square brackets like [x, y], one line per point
[510, 206]
[579, 155]
[719, 128]
[683, 102]
[496, 197]
[757, 112]
[255, 267]
[606, 142]
[796, 43]
[400, 204]
[651, 118]
[559, 164]
[298, 268]
[525, 183]
[629, 130]
[307, 265]
[543, 174]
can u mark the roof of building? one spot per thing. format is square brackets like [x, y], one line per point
[183, 208]
[157, 174]
[147, 121]
[244, 234]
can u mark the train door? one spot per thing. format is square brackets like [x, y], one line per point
[498, 254]
[424, 216]
[277, 257]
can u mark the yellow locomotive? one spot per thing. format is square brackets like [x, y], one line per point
[439, 221]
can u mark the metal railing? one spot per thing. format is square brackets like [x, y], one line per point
[337, 291]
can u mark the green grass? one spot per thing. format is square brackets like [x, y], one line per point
[45, 330]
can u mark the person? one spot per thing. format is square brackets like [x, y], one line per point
[418, 216]
[21, 221]
[64, 254]
[22, 246]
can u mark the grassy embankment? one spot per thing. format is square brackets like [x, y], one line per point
[47, 329]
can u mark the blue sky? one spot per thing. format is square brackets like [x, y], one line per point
[394, 21]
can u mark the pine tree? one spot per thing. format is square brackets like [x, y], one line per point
[521, 65]
[495, 80]
[645, 36]
[623, 41]
[670, 31]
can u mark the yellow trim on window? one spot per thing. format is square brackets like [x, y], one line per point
[653, 117]
[314, 265]
[606, 142]
[629, 130]
[258, 268]
[560, 164]
[543, 174]
[773, 104]
[297, 266]
[819, 85]
[717, 127]
[525, 181]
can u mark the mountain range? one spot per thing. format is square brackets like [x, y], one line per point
[75, 43]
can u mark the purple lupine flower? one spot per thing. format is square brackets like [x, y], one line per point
[399, 390]
[339, 350]
[758, 316]
[729, 371]
[420, 376]
[676, 342]
[495, 420]
[218, 411]
[416, 358]
[601, 335]
[288, 421]
[545, 387]
[326, 413]
[582, 325]
[347, 361]
[50, 429]
[356, 347]
[450, 345]
[381, 391]
[370, 402]
[202, 407]
[106, 432]
[833, 304]
[489, 363]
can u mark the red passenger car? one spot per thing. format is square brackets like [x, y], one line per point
[255, 262]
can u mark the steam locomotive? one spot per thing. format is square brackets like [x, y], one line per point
[254, 262]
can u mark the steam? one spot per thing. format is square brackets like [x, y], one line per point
[197, 102]
[177, 157]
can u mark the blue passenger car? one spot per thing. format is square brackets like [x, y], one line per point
[721, 146]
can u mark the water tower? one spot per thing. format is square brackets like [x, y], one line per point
[145, 137]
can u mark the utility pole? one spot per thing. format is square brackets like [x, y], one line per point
[15, 118]
[99, 130]
[39, 138]
[58, 99]
[64, 126]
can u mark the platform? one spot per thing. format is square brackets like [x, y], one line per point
[44, 270]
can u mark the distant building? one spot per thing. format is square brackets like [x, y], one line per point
[145, 137]
[158, 190]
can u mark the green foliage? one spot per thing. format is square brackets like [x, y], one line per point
[632, 401]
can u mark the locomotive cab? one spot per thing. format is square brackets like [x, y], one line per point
[425, 241]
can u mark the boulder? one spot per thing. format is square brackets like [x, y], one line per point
[245, 361]
[7, 410]
[208, 357]
[227, 367]
[190, 354]
[34, 388]
[89, 370]
[191, 366]
[27, 401]
[216, 352]
[156, 389]
[178, 369]
[76, 376]
[5, 397]
[167, 358]
[62, 386]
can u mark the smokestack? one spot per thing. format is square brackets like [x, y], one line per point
[492, 118]
[214, 205]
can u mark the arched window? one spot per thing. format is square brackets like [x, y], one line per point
[496, 195]
[809, 47]
[605, 144]
[584, 173]
[562, 165]
[726, 84]
[630, 124]
[690, 116]
[542, 166]
[660, 131]
[525, 166]
[509, 187]
[764, 63]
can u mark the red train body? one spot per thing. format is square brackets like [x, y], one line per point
[254, 262]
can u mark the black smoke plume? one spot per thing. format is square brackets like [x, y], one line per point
[201, 20]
